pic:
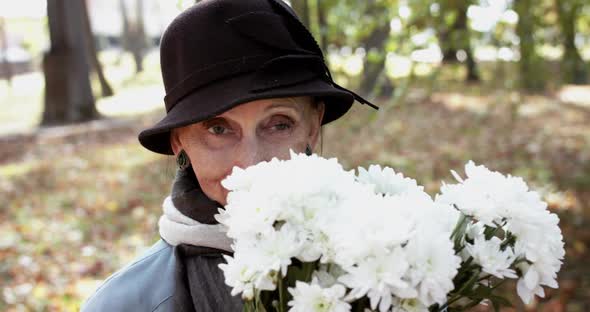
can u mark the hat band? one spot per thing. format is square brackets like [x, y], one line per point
[204, 76]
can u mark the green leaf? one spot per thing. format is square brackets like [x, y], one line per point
[510, 240]
[459, 231]
[489, 232]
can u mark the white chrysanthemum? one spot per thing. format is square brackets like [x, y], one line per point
[535, 275]
[386, 181]
[280, 190]
[272, 214]
[377, 278]
[243, 179]
[433, 265]
[491, 197]
[279, 247]
[474, 230]
[258, 261]
[316, 244]
[538, 237]
[496, 200]
[429, 250]
[430, 215]
[245, 272]
[388, 239]
[380, 225]
[313, 298]
[492, 259]
[408, 305]
[240, 276]
[247, 215]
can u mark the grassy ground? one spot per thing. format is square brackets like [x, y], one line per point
[83, 201]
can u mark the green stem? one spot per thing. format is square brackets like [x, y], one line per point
[249, 306]
[462, 219]
[499, 283]
[473, 303]
[500, 225]
[459, 231]
[308, 268]
[457, 296]
[282, 304]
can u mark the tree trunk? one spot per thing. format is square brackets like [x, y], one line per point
[6, 68]
[93, 54]
[472, 72]
[456, 36]
[141, 36]
[301, 8]
[322, 25]
[374, 63]
[68, 95]
[465, 41]
[574, 68]
[530, 65]
[134, 38]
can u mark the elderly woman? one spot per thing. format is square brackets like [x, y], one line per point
[245, 82]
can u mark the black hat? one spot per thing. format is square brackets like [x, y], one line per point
[222, 53]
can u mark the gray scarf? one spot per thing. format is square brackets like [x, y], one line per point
[200, 243]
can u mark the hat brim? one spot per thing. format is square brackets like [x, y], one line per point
[216, 98]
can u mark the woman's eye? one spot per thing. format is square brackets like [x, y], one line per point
[217, 130]
[282, 126]
[280, 123]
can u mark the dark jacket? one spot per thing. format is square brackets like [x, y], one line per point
[181, 278]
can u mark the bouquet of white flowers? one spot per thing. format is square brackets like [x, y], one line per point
[311, 236]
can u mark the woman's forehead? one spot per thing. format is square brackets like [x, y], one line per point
[266, 105]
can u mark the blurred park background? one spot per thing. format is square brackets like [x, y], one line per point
[502, 82]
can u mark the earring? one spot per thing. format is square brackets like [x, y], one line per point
[182, 160]
[308, 150]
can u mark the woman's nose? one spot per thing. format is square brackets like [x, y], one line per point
[248, 154]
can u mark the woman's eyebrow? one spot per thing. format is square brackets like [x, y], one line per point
[276, 105]
[214, 120]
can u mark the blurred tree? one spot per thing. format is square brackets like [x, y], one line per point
[93, 54]
[454, 34]
[134, 37]
[301, 8]
[68, 95]
[350, 24]
[322, 8]
[6, 68]
[374, 42]
[313, 15]
[449, 22]
[530, 64]
[574, 68]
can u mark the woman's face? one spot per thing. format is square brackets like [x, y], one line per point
[246, 135]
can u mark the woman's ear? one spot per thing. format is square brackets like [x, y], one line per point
[175, 143]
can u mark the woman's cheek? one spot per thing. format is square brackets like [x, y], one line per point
[211, 167]
[281, 151]
[211, 186]
[296, 142]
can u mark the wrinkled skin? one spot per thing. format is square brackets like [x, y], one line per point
[245, 135]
